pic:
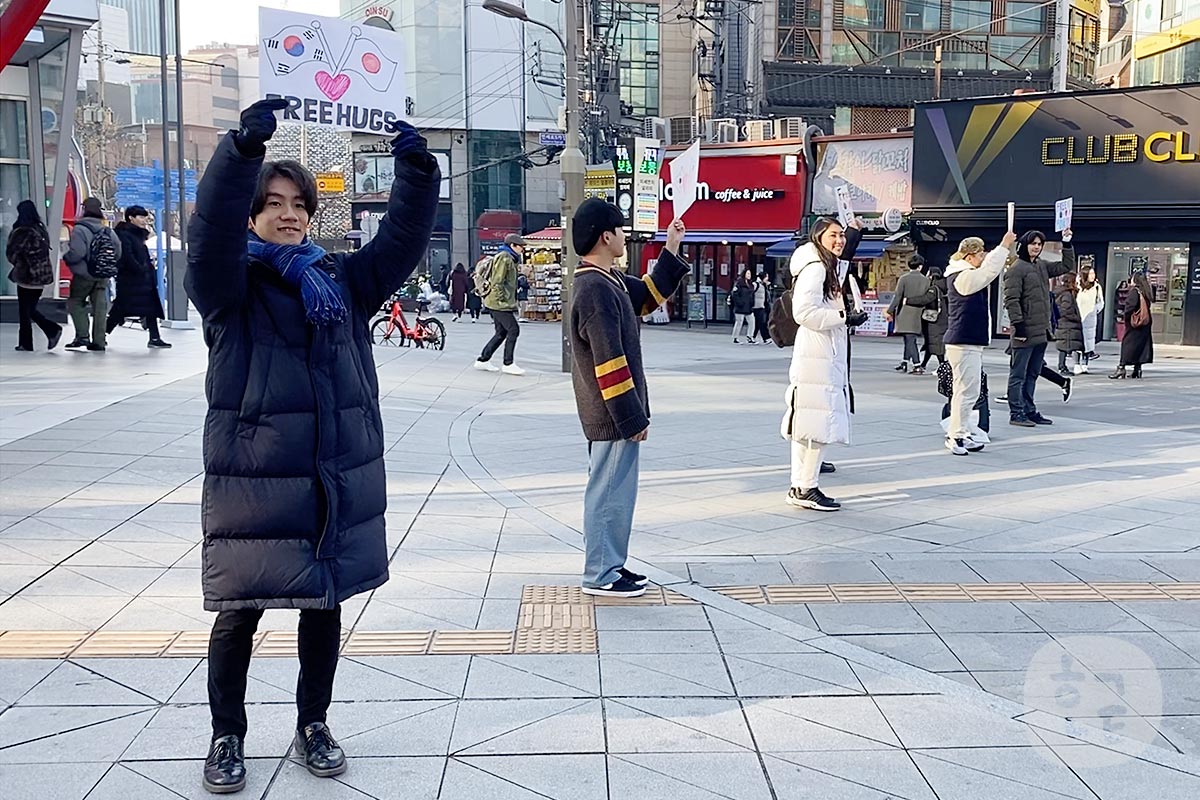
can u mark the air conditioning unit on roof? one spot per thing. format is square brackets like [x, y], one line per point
[682, 130]
[790, 128]
[760, 130]
[720, 131]
[655, 128]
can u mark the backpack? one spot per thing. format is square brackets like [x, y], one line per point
[483, 277]
[781, 324]
[102, 255]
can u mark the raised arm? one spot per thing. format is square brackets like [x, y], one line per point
[377, 270]
[652, 290]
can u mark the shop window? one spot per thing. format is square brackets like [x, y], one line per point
[864, 14]
[922, 15]
[1025, 17]
[970, 15]
[14, 187]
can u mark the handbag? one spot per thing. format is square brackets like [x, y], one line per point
[1140, 318]
[930, 314]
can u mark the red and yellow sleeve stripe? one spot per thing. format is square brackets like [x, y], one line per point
[656, 297]
[614, 378]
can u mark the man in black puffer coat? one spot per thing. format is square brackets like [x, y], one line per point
[294, 486]
[137, 280]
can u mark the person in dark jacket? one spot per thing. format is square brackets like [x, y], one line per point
[905, 311]
[294, 486]
[522, 294]
[137, 280]
[474, 301]
[741, 300]
[762, 307]
[1137, 345]
[935, 332]
[87, 291]
[460, 286]
[1068, 337]
[1027, 301]
[28, 250]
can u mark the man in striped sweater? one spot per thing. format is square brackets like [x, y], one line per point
[610, 385]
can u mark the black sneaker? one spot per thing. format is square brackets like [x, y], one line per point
[827, 468]
[1067, 390]
[322, 756]
[1022, 422]
[53, 341]
[633, 577]
[1003, 398]
[622, 587]
[21, 349]
[1038, 419]
[158, 344]
[813, 499]
[225, 767]
[95, 348]
[77, 343]
[902, 366]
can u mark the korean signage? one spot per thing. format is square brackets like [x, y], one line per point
[623, 168]
[648, 160]
[874, 174]
[1136, 148]
[741, 192]
[331, 182]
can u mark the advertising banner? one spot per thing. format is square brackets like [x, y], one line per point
[648, 155]
[624, 172]
[333, 72]
[875, 174]
[742, 192]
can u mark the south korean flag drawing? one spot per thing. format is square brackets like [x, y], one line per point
[295, 46]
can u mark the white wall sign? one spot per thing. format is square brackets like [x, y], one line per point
[332, 71]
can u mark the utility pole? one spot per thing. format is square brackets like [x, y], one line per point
[572, 168]
[937, 72]
[101, 57]
[1062, 46]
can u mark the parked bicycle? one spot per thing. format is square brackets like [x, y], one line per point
[392, 328]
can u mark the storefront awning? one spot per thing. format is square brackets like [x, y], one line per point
[782, 249]
[871, 248]
[732, 237]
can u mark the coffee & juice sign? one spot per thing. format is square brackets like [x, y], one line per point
[738, 192]
[332, 72]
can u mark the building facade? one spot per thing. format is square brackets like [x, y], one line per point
[1166, 42]
[145, 18]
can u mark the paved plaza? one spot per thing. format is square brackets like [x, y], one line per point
[1023, 622]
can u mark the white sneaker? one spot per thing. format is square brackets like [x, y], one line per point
[956, 446]
[972, 444]
[1079, 369]
[980, 436]
[512, 369]
[486, 366]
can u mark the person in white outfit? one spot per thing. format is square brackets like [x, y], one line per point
[1091, 303]
[818, 394]
[969, 330]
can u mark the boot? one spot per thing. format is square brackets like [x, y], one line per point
[1118, 373]
[1137, 371]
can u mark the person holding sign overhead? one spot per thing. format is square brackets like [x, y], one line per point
[294, 486]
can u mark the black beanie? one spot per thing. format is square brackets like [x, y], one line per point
[593, 217]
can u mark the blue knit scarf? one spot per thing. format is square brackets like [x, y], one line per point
[297, 263]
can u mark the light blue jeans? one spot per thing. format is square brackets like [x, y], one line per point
[608, 509]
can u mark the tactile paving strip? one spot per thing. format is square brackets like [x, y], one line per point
[542, 641]
[959, 592]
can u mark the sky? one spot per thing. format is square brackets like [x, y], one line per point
[236, 21]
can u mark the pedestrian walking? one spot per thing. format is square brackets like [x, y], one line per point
[968, 331]
[762, 305]
[1091, 303]
[1137, 345]
[294, 495]
[522, 295]
[1027, 300]
[460, 287]
[137, 279]
[610, 384]
[93, 256]
[28, 250]
[474, 303]
[501, 302]
[935, 318]
[817, 400]
[741, 299]
[905, 311]
[1068, 336]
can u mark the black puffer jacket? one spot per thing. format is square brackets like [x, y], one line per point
[1069, 335]
[742, 297]
[294, 486]
[1027, 297]
[137, 282]
[28, 250]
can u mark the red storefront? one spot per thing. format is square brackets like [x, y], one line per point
[750, 196]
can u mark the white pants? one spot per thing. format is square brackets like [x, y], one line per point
[806, 464]
[743, 319]
[966, 360]
[1089, 332]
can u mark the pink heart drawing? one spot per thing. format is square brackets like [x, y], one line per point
[332, 87]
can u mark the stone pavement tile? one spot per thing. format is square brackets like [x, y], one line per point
[617, 642]
[796, 612]
[1000, 651]
[925, 721]
[59, 613]
[642, 675]
[1048, 690]
[421, 539]
[508, 586]
[391, 728]
[676, 725]
[832, 570]
[533, 676]
[1180, 690]
[294, 781]
[651, 618]
[782, 674]
[434, 585]
[1080, 617]
[1146, 539]
[171, 780]
[930, 570]
[175, 582]
[185, 732]
[70, 781]
[94, 581]
[35, 553]
[19, 675]
[405, 614]
[975, 618]
[923, 650]
[49, 528]
[418, 776]
[569, 777]
[16, 577]
[130, 554]
[1166, 615]
[158, 678]
[1113, 570]
[74, 685]
[420, 561]
[847, 775]
[37, 735]
[739, 641]
[109, 510]
[1125, 651]
[536, 543]
[802, 724]
[1181, 568]
[840, 618]
[498, 615]
[1041, 569]
[263, 685]
[1042, 538]
[161, 614]
[688, 776]
[1181, 731]
[1000, 773]
[500, 727]
[431, 676]
[1114, 775]
[760, 574]
[1187, 641]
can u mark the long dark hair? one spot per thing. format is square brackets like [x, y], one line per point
[831, 287]
[459, 267]
[1028, 238]
[1069, 282]
[1143, 286]
[27, 215]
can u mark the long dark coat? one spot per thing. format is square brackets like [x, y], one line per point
[1069, 336]
[137, 281]
[935, 332]
[460, 285]
[1137, 345]
[294, 486]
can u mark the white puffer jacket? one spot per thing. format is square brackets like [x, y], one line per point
[818, 394]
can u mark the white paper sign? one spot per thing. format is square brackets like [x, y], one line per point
[1012, 216]
[1062, 214]
[845, 210]
[856, 293]
[334, 72]
[685, 173]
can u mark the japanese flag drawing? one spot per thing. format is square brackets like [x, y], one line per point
[296, 45]
[366, 59]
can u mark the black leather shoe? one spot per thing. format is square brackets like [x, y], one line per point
[827, 468]
[322, 756]
[225, 767]
[1038, 419]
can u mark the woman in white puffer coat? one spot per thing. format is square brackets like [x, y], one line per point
[818, 394]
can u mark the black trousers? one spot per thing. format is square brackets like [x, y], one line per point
[507, 331]
[28, 316]
[151, 326]
[229, 649]
[760, 324]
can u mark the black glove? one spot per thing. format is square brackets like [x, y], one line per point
[1019, 331]
[258, 126]
[407, 140]
[856, 318]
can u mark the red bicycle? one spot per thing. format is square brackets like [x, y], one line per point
[392, 329]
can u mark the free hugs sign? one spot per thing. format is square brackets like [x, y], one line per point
[332, 71]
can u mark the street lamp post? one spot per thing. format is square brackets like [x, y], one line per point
[571, 163]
